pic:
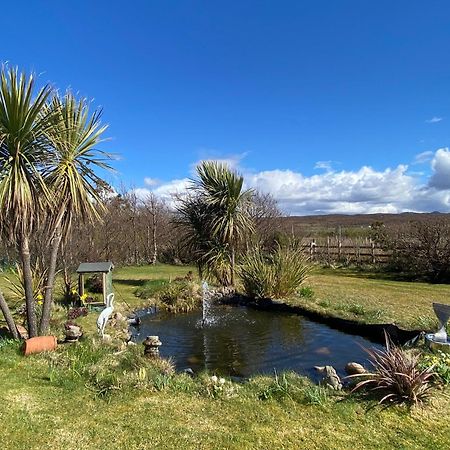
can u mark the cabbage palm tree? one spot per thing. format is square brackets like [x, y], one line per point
[71, 177]
[25, 124]
[217, 215]
[223, 191]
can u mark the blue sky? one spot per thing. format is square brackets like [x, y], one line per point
[326, 104]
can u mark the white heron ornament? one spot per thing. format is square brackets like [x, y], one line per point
[105, 314]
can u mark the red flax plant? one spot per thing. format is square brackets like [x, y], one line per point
[397, 376]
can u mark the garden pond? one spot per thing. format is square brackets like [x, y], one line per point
[241, 342]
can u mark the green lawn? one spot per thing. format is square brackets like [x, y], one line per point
[39, 412]
[374, 300]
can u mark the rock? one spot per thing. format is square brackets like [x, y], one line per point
[23, 333]
[354, 368]
[134, 320]
[130, 343]
[151, 345]
[118, 316]
[189, 372]
[329, 377]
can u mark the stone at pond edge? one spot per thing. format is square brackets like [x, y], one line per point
[151, 346]
[329, 377]
[354, 368]
[118, 316]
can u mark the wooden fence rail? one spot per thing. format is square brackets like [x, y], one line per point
[348, 252]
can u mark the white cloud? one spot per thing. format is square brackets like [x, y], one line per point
[151, 181]
[366, 190]
[441, 170]
[233, 161]
[434, 120]
[423, 157]
[326, 165]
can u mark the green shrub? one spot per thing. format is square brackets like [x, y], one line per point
[181, 295]
[439, 362]
[275, 275]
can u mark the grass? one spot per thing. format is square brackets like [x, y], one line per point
[83, 398]
[176, 412]
[373, 300]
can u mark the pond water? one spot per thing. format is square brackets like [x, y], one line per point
[240, 341]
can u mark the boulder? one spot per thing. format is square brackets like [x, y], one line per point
[329, 377]
[354, 368]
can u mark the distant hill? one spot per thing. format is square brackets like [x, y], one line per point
[328, 222]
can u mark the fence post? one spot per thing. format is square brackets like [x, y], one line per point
[312, 249]
[328, 250]
[339, 249]
[373, 252]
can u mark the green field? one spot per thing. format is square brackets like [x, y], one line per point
[370, 299]
[40, 410]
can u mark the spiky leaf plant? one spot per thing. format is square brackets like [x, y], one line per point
[397, 376]
[277, 275]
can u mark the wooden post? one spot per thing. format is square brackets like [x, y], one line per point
[312, 249]
[373, 252]
[339, 249]
[328, 250]
[81, 284]
[104, 287]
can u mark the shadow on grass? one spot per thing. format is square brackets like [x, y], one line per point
[130, 282]
[355, 272]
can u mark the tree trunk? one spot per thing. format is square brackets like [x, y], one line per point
[8, 317]
[48, 297]
[28, 284]
[155, 245]
[232, 265]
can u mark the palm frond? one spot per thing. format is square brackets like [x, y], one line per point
[71, 169]
[24, 143]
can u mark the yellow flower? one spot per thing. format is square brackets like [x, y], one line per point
[40, 296]
[39, 302]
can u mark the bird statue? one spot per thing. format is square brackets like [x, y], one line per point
[105, 315]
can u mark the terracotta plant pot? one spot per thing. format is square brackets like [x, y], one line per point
[40, 344]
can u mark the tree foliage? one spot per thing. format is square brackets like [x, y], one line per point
[215, 217]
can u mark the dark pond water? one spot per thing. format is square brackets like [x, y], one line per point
[241, 342]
